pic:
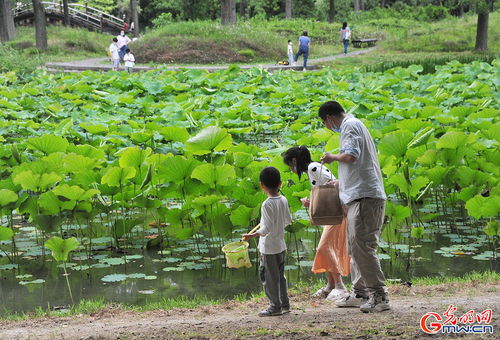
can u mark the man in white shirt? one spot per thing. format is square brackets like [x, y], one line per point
[123, 41]
[114, 54]
[361, 190]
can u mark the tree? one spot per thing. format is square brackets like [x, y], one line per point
[66, 13]
[7, 28]
[40, 25]
[331, 11]
[135, 16]
[228, 12]
[288, 9]
[356, 5]
[483, 12]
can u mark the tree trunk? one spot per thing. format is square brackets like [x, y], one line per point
[331, 11]
[362, 5]
[7, 28]
[40, 25]
[288, 9]
[382, 4]
[356, 6]
[228, 12]
[243, 8]
[135, 16]
[482, 32]
[66, 13]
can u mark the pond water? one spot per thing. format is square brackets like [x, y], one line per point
[197, 267]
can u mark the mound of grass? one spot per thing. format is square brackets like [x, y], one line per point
[63, 44]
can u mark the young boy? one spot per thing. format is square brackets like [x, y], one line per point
[275, 216]
[129, 61]
[114, 54]
[290, 53]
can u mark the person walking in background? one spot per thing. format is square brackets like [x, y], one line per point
[129, 60]
[123, 41]
[275, 216]
[114, 54]
[345, 35]
[361, 191]
[304, 47]
[290, 53]
[331, 254]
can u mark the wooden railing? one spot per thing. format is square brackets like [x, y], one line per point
[88, 16]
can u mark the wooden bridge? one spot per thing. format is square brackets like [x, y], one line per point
[79, 15]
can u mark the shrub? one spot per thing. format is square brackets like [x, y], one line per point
[162, 20]
[247, 53]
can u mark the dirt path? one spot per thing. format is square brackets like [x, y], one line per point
[101, 64]
[309, 319]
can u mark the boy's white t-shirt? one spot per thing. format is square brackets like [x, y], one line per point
[275, 216]
[129, 60]
[113, 50]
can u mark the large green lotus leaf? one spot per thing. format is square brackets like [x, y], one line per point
[395, 143]
[417, 184]
[429, 157]
[7, 196]
[88, 151]
[175, 133]
[452, 140]
[94, 128]
[124, 226]
[467, 193]
[241, 216]
[176, 169]
[333, 143]
[207, 200]
[114, 278]
[210, 139]
[399, 181]
[412, 125]
[492, 228]
[179, 232]
[242, 159]
[51, 205]
[76, 163]
[116, 176]
[36, 182]
[437, 174]
[421, 137]
[48, 144]
[6, 233]
[214, 175]
[61, 248]
[480, 206]
[466, 176]
[74, 192]
[397, 212]
[133, 157]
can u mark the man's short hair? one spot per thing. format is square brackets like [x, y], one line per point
[270, 177]
[330, 108]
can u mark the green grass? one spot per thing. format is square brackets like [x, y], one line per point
[89, 307]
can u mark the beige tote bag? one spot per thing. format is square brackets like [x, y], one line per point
[325, 207]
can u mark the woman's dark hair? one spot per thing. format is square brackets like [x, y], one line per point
[302, 156]
[270, 177]
[330, 108]
[304, 33]
[344, 25]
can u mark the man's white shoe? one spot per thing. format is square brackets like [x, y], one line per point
[351, 300]
[336, 294]
[376, 303]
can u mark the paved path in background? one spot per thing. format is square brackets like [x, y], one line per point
[103, 64]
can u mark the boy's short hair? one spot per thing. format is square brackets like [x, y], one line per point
[270, 177]
[304, 33]
[331, 108]
[289, 41]
[115, 39]
[127, 50]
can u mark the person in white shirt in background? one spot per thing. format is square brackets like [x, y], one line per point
[129, 61]
[275, 216]
[290, 53]
[114, 54]
[123, 41]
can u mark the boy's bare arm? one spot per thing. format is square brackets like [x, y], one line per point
[246, 237]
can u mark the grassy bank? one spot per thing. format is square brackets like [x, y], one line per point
[423, 285]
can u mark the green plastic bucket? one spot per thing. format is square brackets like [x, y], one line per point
[237, 254]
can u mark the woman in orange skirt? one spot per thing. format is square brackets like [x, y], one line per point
[331, 254]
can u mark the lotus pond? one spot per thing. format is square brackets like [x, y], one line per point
[127, 187]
